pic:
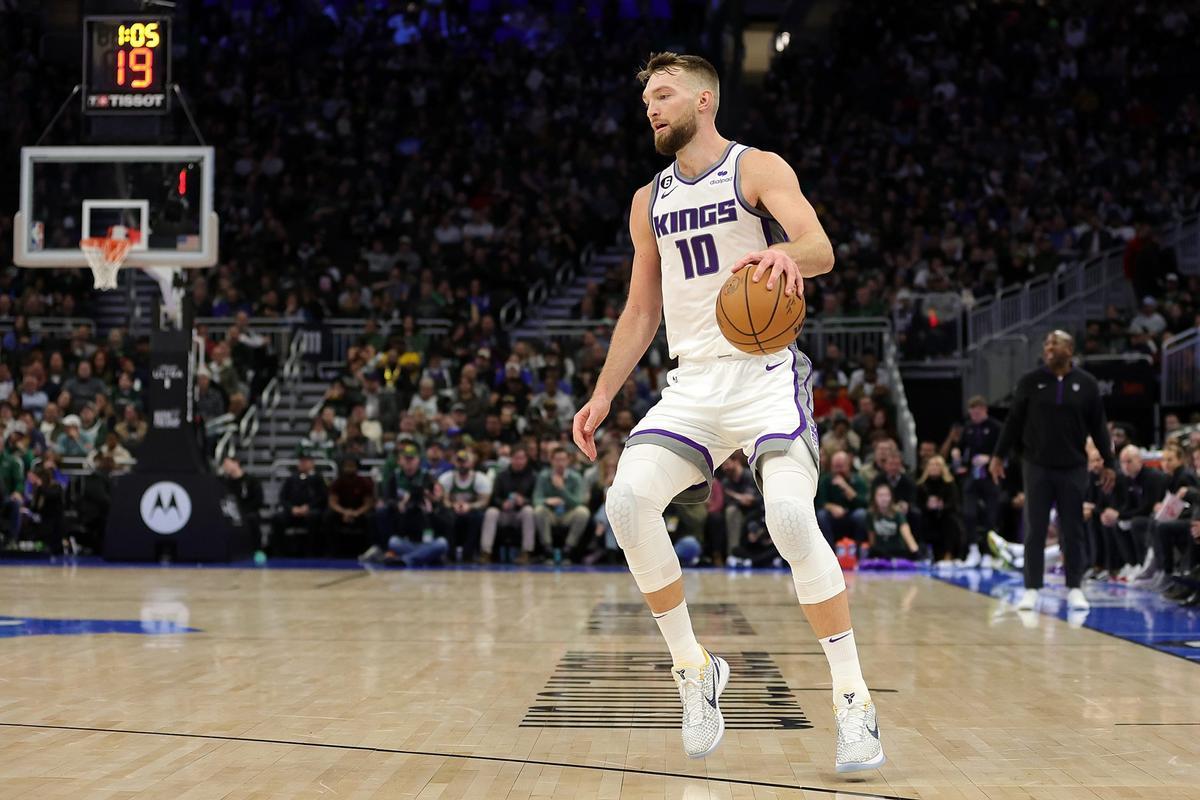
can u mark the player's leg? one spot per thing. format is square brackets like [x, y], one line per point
[1040, 490]
[1072, 486]
[649, 476]
[789, 482]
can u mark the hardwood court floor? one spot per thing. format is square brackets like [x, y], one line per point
[494, 684]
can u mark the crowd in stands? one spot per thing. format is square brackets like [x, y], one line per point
[68, 403]
[437, 162]
[72, 403]
[957, 147]
[949, 148]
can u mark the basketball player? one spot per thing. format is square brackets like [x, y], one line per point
[721, 207]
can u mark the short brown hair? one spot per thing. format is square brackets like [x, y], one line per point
[977, 401]
[674, 63]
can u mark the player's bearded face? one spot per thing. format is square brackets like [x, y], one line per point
[676, 135]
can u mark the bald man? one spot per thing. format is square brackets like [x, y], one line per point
[1055, 408]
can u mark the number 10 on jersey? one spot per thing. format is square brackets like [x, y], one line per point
[699, 255]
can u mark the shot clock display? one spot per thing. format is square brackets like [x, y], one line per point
[126, 65]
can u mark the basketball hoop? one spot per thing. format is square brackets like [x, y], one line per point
[106, 254]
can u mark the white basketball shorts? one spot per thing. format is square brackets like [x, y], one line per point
[711, 407]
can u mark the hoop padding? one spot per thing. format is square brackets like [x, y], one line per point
[105, 256]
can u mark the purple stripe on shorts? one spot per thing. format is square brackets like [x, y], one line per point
[679, 438]
[799, 408]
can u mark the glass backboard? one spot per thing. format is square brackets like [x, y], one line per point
[71, 193]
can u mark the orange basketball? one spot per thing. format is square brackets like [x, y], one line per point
[755, 319]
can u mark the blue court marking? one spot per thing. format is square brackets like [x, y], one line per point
[11, 627]
[1117, 610]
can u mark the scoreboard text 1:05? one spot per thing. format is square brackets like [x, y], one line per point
[126, 65]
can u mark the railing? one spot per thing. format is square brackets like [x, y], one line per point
[510, 314]
[292, 368]
[1019, 307]
[854, 336]
[1180, 384]
[345, 333]
[992, 371]
[52, 326]
[1187, 246]
[1079, 287]
[199, 358]
[906, 423]
[277, 330]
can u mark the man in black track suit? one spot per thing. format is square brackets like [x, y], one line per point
[1056, 407]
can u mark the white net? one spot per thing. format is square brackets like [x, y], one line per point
[105, 255]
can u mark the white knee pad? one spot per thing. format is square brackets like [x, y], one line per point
[789, 485]
[648, 478]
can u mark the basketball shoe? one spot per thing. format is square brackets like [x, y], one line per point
[858, 744]
[700, 691]
[999, 547]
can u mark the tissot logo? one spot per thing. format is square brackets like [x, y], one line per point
[166, 507]
[126, 100]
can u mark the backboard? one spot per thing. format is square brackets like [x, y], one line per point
[70, 193]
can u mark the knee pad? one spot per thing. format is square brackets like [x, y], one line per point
[647, 479]
[793, 526]
[789, 486]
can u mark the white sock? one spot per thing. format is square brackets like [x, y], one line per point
[676, 627]
[842, 654]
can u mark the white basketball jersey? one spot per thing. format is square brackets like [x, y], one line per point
[703, 225]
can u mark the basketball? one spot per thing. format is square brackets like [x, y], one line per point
[755, 319]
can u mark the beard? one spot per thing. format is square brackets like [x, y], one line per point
[677, 136]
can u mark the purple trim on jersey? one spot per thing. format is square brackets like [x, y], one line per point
[766, 230]
[700, 485]
[799, 408]
[653, 199]
[707, 172]
[679, 438]
[737, 189]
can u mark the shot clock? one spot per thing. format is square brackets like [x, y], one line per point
[126, 65]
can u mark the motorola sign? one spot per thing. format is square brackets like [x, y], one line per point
[166, 507]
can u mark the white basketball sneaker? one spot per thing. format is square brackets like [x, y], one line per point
[1028, 601]
[858, 744]
[700, 692]
[1077, 601]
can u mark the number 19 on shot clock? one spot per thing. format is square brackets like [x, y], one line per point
[126, 65]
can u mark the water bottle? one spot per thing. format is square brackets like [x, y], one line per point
[557, 556]
[427, 535]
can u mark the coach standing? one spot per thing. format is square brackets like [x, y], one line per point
[1055, 409]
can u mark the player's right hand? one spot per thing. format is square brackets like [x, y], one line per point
[587, 419]
[996, 467]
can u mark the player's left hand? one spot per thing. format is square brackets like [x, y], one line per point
[782, 267]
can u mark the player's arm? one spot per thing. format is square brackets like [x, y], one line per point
[642, 315]
[769, 182]
[635, 328]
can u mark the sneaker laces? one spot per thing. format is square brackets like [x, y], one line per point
[852, 723]
[692, 696]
